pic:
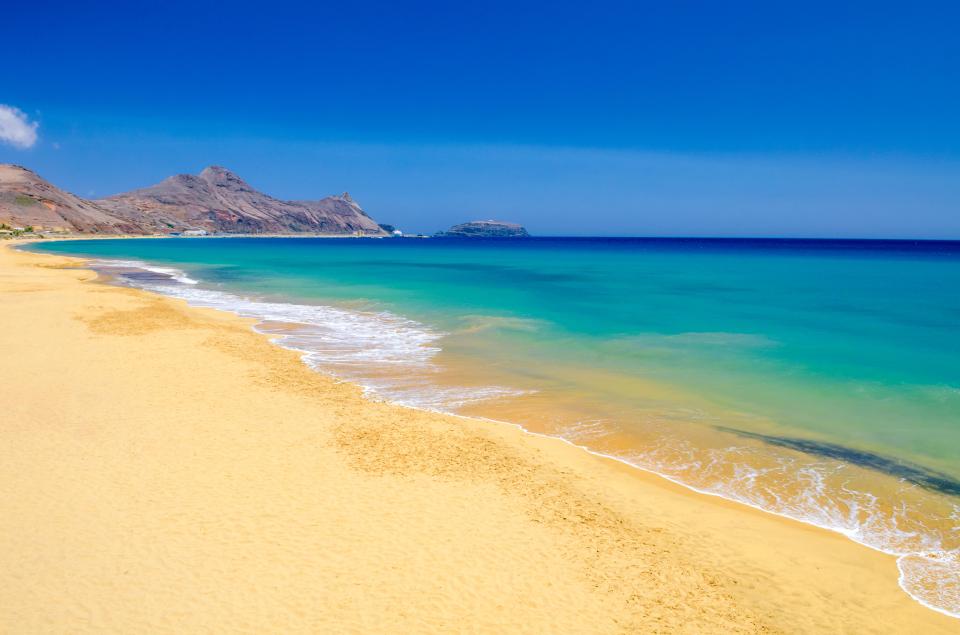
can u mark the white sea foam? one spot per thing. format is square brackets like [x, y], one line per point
[389, 356]
[587, 430]
[428, 396]
[817, 493]
[174, 274]
[358, 346]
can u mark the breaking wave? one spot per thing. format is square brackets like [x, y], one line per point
[389, 356]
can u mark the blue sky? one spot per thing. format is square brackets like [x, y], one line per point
[668, 118]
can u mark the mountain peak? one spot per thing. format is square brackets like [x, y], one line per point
[215, 169]
[218, 173]
[219, 176]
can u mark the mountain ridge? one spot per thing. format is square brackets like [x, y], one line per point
[216, 200]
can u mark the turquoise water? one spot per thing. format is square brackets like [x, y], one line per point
[818, 380]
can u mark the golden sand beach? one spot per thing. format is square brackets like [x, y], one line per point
[167, 469]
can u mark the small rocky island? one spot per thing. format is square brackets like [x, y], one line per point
[486, 229]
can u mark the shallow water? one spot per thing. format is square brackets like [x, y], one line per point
[818, 380]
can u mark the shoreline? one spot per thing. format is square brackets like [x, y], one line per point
[631, 489]
[908, 585]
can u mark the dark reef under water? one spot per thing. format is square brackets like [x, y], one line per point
[911, 472]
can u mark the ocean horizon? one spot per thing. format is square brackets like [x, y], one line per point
[816, 379]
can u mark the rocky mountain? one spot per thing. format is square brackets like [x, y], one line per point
[215, 200]
[486, 229]
[27, 200]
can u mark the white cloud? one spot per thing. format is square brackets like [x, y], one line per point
[16, 129]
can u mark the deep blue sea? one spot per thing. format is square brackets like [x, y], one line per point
[819, 380]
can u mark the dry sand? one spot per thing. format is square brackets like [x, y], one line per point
[166, 469]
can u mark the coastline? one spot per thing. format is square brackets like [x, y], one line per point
[222, 466]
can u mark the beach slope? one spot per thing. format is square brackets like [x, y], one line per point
[167, 469]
